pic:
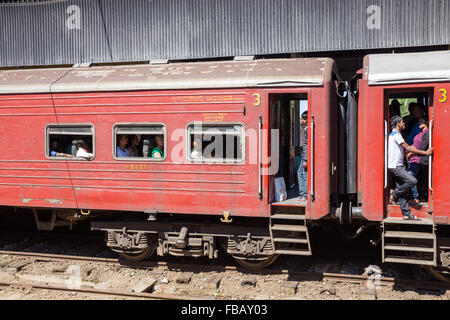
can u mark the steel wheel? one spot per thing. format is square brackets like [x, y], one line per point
[255, 263]
[441, 274]
[135, 256]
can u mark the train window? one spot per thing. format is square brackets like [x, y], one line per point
[70, 141]
[139, 141]
[215, 142]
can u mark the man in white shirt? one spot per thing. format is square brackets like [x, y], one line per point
[197, 150]
[403, 180]
[82, 151]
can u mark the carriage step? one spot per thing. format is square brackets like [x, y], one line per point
[294, 252]
[393, 220]
[409, 261]
[406, 248]
[286, 227]
[409, 235]
[290, 240]
[416, 246]
[288, 216]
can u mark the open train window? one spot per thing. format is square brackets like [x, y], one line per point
[215, 142]
[63, 141]
[139, 141]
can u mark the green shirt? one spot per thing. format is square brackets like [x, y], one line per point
[156, 149]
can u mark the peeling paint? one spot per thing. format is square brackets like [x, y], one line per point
[54, 201]
[26, 200]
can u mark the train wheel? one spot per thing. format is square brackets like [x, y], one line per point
[135, 256]
[255, 264]
[441, 274]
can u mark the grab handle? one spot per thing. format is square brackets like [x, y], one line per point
[260, 158]
[385, 154]
[312, 158]
[430, 164]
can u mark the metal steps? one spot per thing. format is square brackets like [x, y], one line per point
[286, 227]
[406, 248]
[394, 220]
[408, 235]
[288, 216]
[409, 241]
[290, 234]
[293, 252]
[410, 261]
[290, 240]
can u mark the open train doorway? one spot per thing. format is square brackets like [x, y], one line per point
[415, 106]
[288, 115]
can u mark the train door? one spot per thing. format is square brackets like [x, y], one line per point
[415, 106]
[440, 161]
[287, 130]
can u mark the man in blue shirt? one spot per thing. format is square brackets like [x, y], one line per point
[54, 150]
[417, 112]
[122, 151]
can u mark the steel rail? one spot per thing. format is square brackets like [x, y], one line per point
[110, 292]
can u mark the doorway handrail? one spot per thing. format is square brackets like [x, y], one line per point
[385, 154]
[312, 158]
[430, 164]
[260, 158]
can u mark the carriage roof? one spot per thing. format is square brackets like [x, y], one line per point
[194, 75]
[419, 67]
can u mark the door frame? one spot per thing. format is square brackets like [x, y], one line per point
[268, 124]
[430, 89]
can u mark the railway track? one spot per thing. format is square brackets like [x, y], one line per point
[294, 274]
[77, 249]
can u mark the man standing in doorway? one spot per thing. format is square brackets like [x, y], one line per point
[302, 173]
[403, 180]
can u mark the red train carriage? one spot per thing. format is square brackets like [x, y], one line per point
[412, 77]
[185, 202]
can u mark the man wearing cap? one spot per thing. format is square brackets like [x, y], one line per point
[403, 180]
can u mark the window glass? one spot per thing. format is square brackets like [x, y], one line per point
[70, 141]
[218, 142]
[139, 141]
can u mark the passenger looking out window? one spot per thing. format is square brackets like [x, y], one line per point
[66, 137]
[196, 149]
[218, 142]
[403, 180]
[122, 151]
[54, 150]
[82, 150]
[139, 141]
[133, 141]
[158, 151]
